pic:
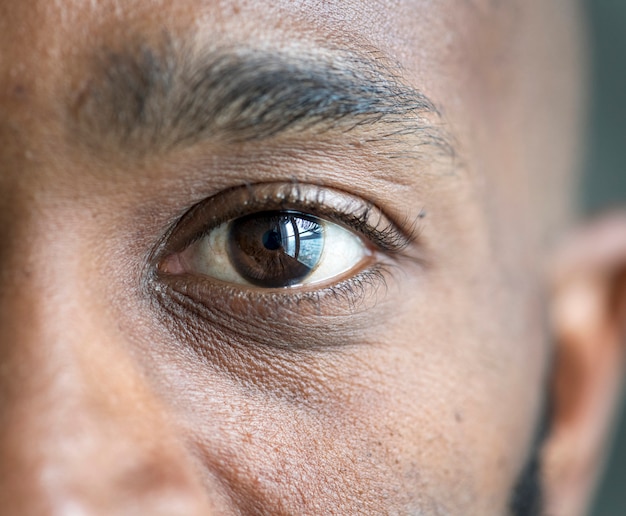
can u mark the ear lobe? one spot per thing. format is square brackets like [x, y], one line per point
[589, 322]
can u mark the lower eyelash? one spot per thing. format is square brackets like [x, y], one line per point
[309, 321]
[356, 291]
[221, 303]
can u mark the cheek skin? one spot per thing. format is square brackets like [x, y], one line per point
[414, 416]
[79, 428]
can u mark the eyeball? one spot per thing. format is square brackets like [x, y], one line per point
[273, 249]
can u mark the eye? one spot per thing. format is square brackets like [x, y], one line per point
[273, 249]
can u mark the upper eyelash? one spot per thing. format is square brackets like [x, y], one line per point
[352, 213]
[388, 237]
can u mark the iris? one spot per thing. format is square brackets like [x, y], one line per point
[275, 249]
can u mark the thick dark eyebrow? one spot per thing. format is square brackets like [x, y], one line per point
[147, 98]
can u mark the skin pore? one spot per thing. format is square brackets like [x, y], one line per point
[141, 376]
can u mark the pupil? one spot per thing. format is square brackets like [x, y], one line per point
[272, 240]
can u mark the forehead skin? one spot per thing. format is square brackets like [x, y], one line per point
[422, 402]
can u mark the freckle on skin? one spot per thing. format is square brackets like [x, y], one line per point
[19, 91]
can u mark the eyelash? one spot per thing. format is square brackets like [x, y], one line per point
[352, 294]
[360, 216]
[353, 213]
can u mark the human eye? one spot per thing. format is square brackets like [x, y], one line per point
[290, 241]
[272, 249]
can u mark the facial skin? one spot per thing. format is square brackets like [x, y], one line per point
[135, 381]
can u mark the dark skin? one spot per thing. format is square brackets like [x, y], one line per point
[141, 375]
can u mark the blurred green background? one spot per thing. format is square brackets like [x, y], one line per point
[605, 181]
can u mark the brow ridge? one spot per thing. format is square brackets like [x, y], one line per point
[147, 98]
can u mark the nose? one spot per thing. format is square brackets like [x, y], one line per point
[81, 432]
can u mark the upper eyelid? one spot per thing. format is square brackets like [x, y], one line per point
[337, 206]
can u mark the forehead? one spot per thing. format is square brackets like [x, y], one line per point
[416, 34]
[382, 23]
[49, 48]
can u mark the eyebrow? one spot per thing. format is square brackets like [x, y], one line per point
[150, 98]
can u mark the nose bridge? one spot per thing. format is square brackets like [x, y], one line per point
[79, 428]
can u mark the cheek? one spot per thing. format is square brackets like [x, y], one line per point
[458, 401]
[428, 411]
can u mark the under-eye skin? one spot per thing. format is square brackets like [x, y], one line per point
[281, 240]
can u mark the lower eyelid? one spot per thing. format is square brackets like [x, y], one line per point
[216, 303]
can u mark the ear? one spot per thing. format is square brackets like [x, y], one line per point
[589, 322]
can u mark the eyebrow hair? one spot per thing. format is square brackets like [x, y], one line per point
[148, 98]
